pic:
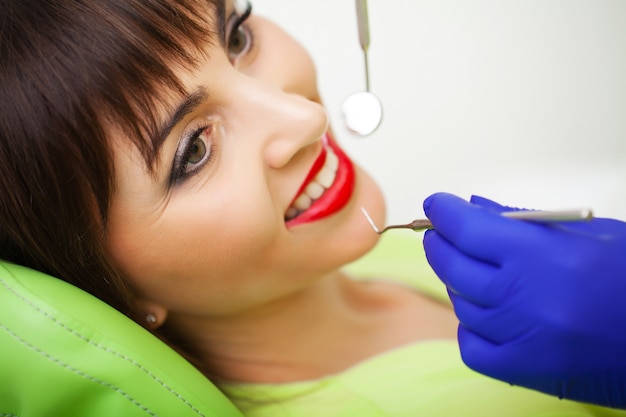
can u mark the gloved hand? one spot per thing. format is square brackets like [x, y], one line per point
[541, 306]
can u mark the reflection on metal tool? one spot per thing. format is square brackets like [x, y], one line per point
[528, 215]
[362, 110]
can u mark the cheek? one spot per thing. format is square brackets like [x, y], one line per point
[201, 251]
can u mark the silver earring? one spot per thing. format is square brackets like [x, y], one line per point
[151, 318]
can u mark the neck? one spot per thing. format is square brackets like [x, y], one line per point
[303, 336]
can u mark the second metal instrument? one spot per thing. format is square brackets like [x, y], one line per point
[529, 215]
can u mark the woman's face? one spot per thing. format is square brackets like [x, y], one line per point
[252, 199]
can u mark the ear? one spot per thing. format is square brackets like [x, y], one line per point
[154, 315]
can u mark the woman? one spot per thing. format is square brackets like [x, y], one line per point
[174, 159]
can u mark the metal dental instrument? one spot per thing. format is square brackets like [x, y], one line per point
[362, 110]
[528, 215]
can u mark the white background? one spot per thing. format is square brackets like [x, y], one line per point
[521, 101]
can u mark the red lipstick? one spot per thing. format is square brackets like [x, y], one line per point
[334, 197]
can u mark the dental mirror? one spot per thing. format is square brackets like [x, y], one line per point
[362, 111]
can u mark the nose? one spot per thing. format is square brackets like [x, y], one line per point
[281, 123]
[282, 86]
[295, 122]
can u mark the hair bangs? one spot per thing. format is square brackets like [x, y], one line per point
[148, 41]
[71, 73]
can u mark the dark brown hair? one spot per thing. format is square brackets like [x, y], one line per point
[70, 71]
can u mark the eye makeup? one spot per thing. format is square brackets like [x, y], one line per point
[196, 149]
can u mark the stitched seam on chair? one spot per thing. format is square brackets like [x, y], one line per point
[103, 348]
[78, 372]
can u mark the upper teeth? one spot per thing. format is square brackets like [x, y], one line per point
[322, 181]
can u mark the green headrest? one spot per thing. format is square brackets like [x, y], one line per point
[63, 352]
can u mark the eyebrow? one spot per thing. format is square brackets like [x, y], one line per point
[193, 100]
[188, 105]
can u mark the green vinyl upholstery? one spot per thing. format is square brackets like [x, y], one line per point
[65, 353]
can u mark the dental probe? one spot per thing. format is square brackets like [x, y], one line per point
[528, 215]
[362, 110]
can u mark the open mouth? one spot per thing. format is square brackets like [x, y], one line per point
[326, 189]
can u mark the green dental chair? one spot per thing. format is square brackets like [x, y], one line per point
[66, 353]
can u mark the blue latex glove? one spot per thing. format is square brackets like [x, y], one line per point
[541, 306]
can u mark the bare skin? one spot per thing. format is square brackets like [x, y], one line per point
[330, 327]
[214, 256]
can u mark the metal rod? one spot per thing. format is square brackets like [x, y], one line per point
[364, 36]
[550, 216]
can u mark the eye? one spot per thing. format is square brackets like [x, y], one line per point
[240, 38]
[238, 42]
[193, 154]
